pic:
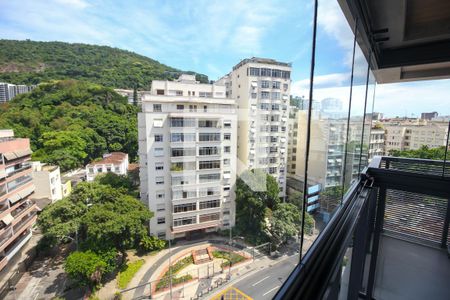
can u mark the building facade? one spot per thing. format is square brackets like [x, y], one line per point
[47, 180]
[412, 136]
[115, 162]
[187, 156]
[376, 142]
[9, 91]
[17, 212]
[261, 88]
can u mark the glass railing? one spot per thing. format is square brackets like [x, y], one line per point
[404, 199]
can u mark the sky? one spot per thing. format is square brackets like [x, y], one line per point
[210, 37]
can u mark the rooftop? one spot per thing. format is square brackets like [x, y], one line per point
[111, 158]
[260, 60]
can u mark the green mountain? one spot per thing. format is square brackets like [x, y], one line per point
[71, 123]
[30, 62]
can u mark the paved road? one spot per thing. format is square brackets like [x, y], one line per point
[265, 283]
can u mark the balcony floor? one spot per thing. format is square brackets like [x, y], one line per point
[410, 271]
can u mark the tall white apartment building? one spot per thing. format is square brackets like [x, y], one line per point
[187, 156]
[261, 88]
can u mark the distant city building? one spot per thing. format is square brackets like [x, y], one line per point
[429, 115]
[187, 156]
[413, 135]
[376, 142]
[261, 88]
[115, 162]
[293, 139]
[9, 91]
[17, 212]
[376, 116]
[130, 95]
[47, 179]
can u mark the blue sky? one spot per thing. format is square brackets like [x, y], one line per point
[211, 36]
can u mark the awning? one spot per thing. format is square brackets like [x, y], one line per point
[17, 154]
[25, 192]
[254, 84]
[7, 219]
[9, 155]
[14, 198]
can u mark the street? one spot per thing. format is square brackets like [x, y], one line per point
[265, 283]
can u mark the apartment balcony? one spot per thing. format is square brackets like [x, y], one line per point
[190, 227]
[388, 239]
[24, 167]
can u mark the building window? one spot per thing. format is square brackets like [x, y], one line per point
[182, 137]
[184, 221]
[265, 84]
[159, 92]
[99, 170]
[227, 124]
[204, 151]
[192, 108]
[285, 86]
[227, 149]
[205, 108]
[276, 85]
[208, 123]
[212, 164]
[226, 162]
[226, 212]
[161, 220]
[160, 207]
[177, 152]
[180, 208]
[159, 180]
[182, 122]
[209, 217]
[209, 204]
[160, 195]
[266, 72]
[208, 177]
[254, 72]
[157, 152]
[161, 235]
[158, 137]
[276, 96]
[276, 73]
[159, 166]
[157, 108]
[265, 95]
[227, 136]
[254, 95]
[209, 137]
[180, 107]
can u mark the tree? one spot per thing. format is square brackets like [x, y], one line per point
[286, 222]
[86, 268]
[256, 195]
[123, 183]
[151, 243]
[71, 123]
[424, 152]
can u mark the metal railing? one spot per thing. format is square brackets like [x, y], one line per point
[407, 198]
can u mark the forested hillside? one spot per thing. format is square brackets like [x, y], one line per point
[30, 62]
[72, 122]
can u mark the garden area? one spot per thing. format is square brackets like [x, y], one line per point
[164, 282]
[230, 258]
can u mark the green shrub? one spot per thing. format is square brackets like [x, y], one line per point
[181, 264]
[234, 257]
[151, 243]
[128, 272]
[86, 268]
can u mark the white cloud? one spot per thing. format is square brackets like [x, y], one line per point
[80, 4]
